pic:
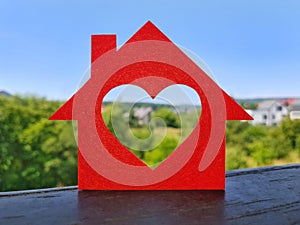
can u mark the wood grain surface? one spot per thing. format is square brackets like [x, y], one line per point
[255, 196]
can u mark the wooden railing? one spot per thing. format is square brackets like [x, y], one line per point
[268, 195]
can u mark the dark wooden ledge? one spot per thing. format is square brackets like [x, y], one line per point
[269, 195]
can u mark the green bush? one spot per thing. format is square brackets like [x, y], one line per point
[35, 152]
[38, 153]
[168, 116]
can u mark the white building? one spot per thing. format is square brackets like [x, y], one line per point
[143, 114]
[269, 113]
[295, 110]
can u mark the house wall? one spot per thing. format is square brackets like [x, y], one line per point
[295, 115]
[271, 116]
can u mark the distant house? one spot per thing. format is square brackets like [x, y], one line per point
[143, 114]
[295, 110]
[269, 113]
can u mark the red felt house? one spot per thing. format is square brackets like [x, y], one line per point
[149, 60]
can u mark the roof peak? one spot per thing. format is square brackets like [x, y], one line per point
[148, 32]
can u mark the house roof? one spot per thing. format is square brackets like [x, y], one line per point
[233, 110]
[296, 102]
[142, 112]
[267, 104]
[295, 106]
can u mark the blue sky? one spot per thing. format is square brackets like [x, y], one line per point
[252, 47]
[172, 95]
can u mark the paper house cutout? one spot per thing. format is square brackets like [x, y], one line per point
[149, 60]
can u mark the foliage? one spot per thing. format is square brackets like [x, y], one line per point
[34, 152]
[249, 105]
[252, 146]
[170, 118]
[38, 153]
[148, 136]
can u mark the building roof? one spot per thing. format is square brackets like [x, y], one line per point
[267, 104]
[142, 112]
[296, 102]
[295, 106]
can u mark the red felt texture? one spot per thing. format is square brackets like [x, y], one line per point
[64, 112]
[151, 61]
[98, 49]
[148, 32]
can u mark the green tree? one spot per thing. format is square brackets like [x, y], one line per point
[168, 116]
[291, 131]
[26, 157]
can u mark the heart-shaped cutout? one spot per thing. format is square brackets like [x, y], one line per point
[151, 128]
